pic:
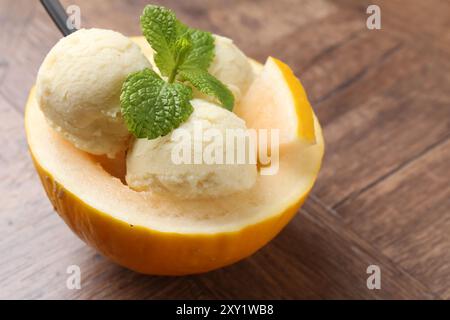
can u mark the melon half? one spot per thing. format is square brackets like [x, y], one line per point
[163, 235]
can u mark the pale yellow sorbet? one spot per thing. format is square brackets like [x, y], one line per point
[151, 165]
[79, 85]
[231, 66]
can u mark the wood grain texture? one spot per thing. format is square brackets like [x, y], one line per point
[398, 215]
[383, 194]
[316, 256]
[393, 113]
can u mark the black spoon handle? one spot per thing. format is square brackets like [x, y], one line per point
[56, 11]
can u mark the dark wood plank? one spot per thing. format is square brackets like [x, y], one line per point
[306, 45]
[421, 23]
[255, 25]
[3, 68]
[22, 205]
[407, 216]
[344, 65]
[395, 111]
[26, 48]
[14, 16]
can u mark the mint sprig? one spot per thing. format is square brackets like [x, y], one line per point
[153, 107]
[202, 53]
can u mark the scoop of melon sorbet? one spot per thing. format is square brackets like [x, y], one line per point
[78, 88]
[231, 66]
[167, 165]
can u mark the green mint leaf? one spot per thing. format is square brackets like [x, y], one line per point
[183, 47]
[161, 29]
[152, 107]
[202, 53]
[209, 85]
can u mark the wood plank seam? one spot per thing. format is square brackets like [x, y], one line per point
[333, 214]
[330, 49]
[30, 17]
[4, 66]
[201, 284]
[393, 171]
[11, 104]
[360, 75]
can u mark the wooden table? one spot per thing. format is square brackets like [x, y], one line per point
[383, 195]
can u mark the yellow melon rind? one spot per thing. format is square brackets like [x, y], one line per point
[159, 253]
[305, 116]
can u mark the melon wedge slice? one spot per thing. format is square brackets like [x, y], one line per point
[163, 235]
[277, 100]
